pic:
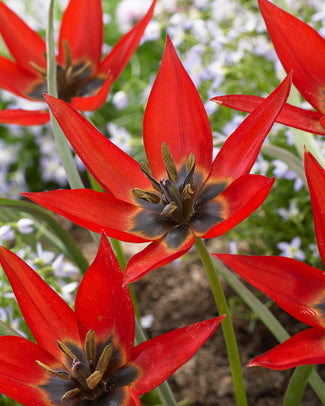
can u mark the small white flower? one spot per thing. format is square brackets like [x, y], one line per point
[25, 225]
[120, 100]
[292, 249]
[6, 233]
[147, 320]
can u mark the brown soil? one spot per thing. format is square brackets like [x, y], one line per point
[179, 294]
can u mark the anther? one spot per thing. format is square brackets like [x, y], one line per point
[93, 380]
[59, 373]
[91, 346]
[168, 209]
[104, 358]
[67, 53]
[40, 70]
[169, 162]
[66, 350]
[143, 195]
[73, 393]
[147, 171]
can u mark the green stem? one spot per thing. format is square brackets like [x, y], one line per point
[228, 329]
[61, 141]
[297, 385]
[268, 319]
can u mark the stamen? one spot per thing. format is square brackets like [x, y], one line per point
[169, 209]
[40, 70]
[68, 75]
[104, 358]
[169, 162]
[91, 346]
[190, 167]
[60, 374]
[93, 380]
[82, 69]
[73, 393]
[147, 171]
[67, 53]
[187, 191]
[147, 196]
[66, 350]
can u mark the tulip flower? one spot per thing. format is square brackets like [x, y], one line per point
[300, 49]
[86, 356]
[180, 194]
[296, 287]
[83, 78]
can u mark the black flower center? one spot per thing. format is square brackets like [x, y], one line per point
[91, 376]
[175, 192]
[72, 80]
[180, 205]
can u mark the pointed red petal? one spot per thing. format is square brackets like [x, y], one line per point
[47, 315]
[292, 116]
[91, 103]
[316, 182]
[16, 79]
[24, 44]
[301, 49]
[103, 303]
[112, 168]
[20, 375]
[297, 287]
[82, 28]
[24, 117]
[120, 55]
[240, 199]
[95, 211]
[175, 115]
[155, 255]
[305, 348]
[242, 147]
[163, 355]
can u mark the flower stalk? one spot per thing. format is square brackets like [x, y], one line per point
[227, 326]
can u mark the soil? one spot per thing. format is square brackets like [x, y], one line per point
[179, 294]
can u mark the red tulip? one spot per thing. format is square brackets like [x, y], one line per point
[86, 356]
[297, 287]
[300, 49]
[182, 194]
[83, 78]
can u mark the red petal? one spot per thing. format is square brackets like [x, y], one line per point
[316, 182]
[154, 256]
[24, 117]
[47, 315]
[112, 168]
[82, 28]
[120, 55]
[92, 103]
[301, 49]
[24, 44]
[304, 348]
[16, 79]
[96, 211]
[103, 303]
[163, 355]
[175, 115]
[240, 199]
[292, 116]
[297, 287]
[20, 375]
[242, 147]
